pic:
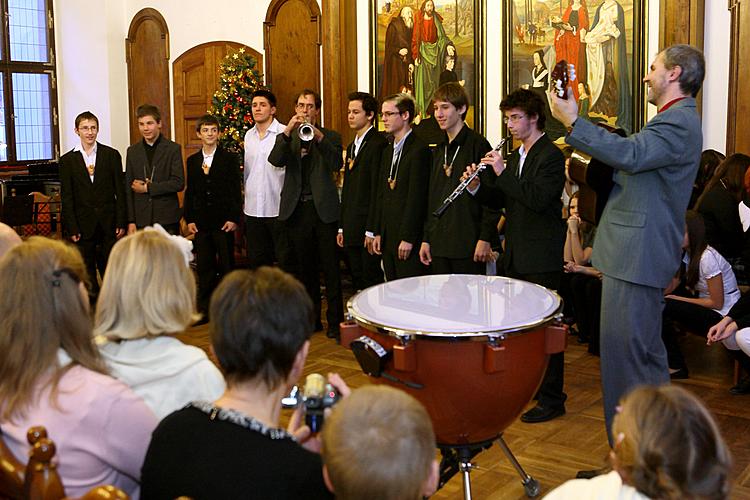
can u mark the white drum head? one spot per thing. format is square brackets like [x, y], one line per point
[454, 305]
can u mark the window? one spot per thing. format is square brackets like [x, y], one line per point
[28, 97]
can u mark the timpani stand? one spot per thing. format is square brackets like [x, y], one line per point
[472, 349]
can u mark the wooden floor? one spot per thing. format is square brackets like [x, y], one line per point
[552, 452]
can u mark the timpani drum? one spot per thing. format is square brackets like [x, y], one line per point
[472, 349]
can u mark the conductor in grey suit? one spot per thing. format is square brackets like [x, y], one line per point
[153, 176]
[638, 239]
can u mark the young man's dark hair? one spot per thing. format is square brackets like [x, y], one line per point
[404, 103]
[260, 320]
[369, 103]
[206, 120]
[267, 94]
[527, 101]
[306, 92]
[148, 110]
[86, 115]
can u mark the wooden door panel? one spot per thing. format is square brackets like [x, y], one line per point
[739, 73]
[196, 78]
[147, 55]
[292, 43]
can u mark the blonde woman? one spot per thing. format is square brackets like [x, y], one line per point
[667, 446]
[148, 294]
[51, 373]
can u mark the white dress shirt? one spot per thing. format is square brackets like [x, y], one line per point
[263, 181]
[87, 159]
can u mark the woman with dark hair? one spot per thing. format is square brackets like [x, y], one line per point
[52, 374]
[539, 73]
[709, 291]
[719, 206]
[710, 159]
[233, 447]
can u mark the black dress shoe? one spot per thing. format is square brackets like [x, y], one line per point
[318, 326]
[743, 387]
[333, 333]
[588, 474]
[541, 414]
[680, 374]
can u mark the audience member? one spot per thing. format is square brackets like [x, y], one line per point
[213, 207]
[233, 447]
[460, 241]
[52, 374]
[584, 280]
[397, 218]
[666, 446]
[309, 204]
[378, 444]
[719, 206]
[363, 157]
[707, 275]
[8, 239]
[734, 332]
[710, 159]
[92, 192]
[147, 296]
[153, 176]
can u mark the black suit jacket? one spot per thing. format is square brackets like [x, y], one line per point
[398, 215]
[534, 229]
[455, 234]
[160, 204]
[86, 204]
[325, 158]
[213, 199]
[360, 180]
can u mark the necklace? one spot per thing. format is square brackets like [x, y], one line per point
[393, 174]
[448, 169]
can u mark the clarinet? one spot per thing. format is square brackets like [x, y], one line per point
[465, 183]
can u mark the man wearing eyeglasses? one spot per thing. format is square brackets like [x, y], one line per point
[309, 203]
[528, 187]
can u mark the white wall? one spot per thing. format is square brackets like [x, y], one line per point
[96, 31]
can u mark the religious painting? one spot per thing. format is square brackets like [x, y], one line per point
[603, 44]
[417, 45]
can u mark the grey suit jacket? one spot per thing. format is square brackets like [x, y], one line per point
[160, 204]
[326, 159]
[640, 234]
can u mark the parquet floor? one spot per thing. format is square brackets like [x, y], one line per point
[552, 452]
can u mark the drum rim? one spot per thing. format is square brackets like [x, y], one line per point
[503, 332]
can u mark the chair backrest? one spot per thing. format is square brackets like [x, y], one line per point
[39, 479]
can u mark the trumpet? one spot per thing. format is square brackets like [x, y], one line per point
[465, 183]
[306, 131]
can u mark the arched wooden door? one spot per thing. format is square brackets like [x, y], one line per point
[292, 38]
[147, 55]
[196, 78]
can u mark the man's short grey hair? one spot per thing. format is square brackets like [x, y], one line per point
[693, 66]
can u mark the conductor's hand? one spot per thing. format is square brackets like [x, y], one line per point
[424, 254]
[566, 111]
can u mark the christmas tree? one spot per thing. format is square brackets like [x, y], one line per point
[232, 104]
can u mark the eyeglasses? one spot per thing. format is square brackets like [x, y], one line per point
[388, 114]
[513, 118]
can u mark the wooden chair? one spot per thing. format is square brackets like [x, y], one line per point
[38, 479]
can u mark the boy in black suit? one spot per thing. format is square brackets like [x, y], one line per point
[93, 196]
[459, 242]
[360, 178]
[397, 219]
[213, 207]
